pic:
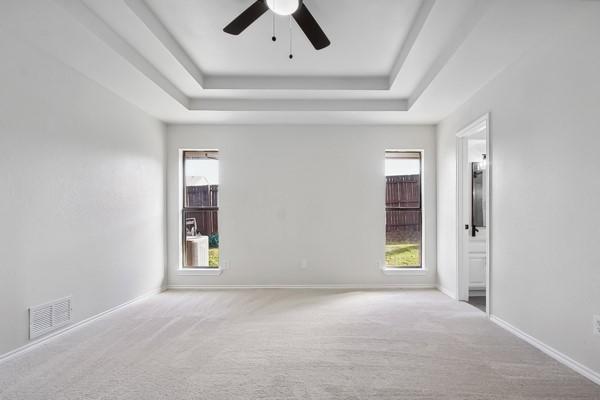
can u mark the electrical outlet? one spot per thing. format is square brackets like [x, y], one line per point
[596, 324]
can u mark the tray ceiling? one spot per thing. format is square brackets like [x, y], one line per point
[390, 61]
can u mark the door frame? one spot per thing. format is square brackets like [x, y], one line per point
[482, 124]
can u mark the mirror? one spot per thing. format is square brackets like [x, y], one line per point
[478, 203]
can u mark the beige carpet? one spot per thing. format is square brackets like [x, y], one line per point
[291, 344]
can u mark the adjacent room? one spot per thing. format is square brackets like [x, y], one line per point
[299, 199]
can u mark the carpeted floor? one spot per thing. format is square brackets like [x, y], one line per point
[291, 344]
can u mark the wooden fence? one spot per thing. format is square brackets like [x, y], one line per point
[402, 202]
[403, 213]
[202, 196]
[403, 191]
[207, 220]
[202, 205]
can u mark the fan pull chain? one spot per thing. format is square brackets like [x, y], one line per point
[274, 38]
[291, 53]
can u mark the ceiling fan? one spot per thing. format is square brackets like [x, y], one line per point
[295, 8]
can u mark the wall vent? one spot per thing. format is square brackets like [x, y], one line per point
[48, 317]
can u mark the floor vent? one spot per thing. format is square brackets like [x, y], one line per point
[48, 317]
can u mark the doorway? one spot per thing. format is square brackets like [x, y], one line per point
[473, 209]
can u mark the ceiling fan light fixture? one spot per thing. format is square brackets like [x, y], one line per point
[283, 7]
[294, 8]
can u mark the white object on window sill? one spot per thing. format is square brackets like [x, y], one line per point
[196, 250]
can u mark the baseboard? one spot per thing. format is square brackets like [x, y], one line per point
[447, 292]
[37, 342]
[324, 286]
[557, 355]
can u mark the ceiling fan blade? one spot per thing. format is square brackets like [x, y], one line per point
[246, 18]
[311, 28]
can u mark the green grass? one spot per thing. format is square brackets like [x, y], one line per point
[213, 257]
[402, 255]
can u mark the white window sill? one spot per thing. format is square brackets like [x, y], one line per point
[199, 271]
[404, 271]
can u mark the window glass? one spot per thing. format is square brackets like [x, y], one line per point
[200, 211]
[403, 210]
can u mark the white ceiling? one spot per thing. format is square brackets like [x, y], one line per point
[358, 48]
[391, 61]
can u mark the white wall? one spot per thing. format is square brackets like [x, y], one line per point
[545, 121]
[289, 193]
[82, 204]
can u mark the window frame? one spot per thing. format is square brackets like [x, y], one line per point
[183, 208]
[422, 268]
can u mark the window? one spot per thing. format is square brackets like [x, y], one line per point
[403, 209]
[200, 209]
